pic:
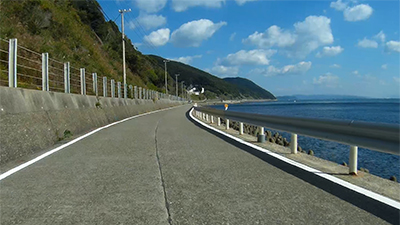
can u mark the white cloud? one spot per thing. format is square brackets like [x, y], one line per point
[355, 72]
[241, 2]
[297, 69]
[392, 46]
[225, 70]
[335, 66]
[182, 5]
[148, 21]
[252, 57]
[366, 43]
[339, 5]
[273, 36]
[308, 35]
[357, 13]
[380, 36]
[150, 6]
[186, 59]
[191, 34]
[384, 66]
[232, 37]
[330, 51]
[327, 80]
[158, 38]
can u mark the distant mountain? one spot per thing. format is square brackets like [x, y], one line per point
[248, 86]
[318, 97]
[215, 87]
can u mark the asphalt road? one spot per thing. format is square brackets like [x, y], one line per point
[164, 169]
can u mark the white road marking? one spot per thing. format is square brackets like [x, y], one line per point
[373, 195]
[22, 166]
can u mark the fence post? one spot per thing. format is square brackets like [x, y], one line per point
[95, 89]
[136, 93]
[293, 143]
[67, 84]
[207, 117]
[219, 121]
[353, 160]
[144, 93]
[45, 71]
[12, 62]
[131, 89]
[119, 89]
[212, 119]
[241, 128]
[125, 91]
[140, 92]
[227, 124]
[83, 81]
[104, 86]
[112, 88]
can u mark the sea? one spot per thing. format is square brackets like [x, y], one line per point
[369, 110]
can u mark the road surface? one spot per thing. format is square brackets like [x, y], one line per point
[163, 168]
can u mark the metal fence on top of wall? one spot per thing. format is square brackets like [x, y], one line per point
[24, 68]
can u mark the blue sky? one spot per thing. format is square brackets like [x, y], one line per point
[344, 47]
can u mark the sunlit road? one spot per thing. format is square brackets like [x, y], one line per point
[164, 169]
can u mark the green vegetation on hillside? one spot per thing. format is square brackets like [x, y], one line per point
[76, 32]
[228, 88]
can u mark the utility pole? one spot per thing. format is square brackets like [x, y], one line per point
[166, 83]
[122, 11]
[182, 89]
[176, 79]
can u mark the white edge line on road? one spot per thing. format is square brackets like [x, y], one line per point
[336, 180]
[22, 166]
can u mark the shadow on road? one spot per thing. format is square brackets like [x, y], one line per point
[370, 205]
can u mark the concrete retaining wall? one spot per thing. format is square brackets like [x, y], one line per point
[32, 120]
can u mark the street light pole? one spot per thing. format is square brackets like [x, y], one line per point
[166, 83]
[122, 11]
[176, 79]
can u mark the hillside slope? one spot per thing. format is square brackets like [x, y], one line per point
[228, 88]
[248, 86]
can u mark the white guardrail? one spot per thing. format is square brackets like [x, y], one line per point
[375, 136]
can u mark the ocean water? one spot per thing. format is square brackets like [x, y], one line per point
[369, 110]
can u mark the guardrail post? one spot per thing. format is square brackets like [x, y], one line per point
[94, 76]
[45, 71]
[353, 160]
[140, 92]
[12, 62]
[67, 80]
[83, 81]
[261, 135]
[212, 119]
[136, 93]
[293, 143]
[144, 93]
[119, 89]
[227, 124]
[104, 86]
[219, 121]
[112, 88]
[207, 117]
[131, 89]
[241, 128]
